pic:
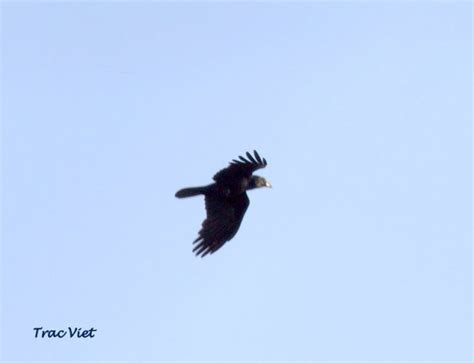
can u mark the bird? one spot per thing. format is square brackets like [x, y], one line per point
[226, 201]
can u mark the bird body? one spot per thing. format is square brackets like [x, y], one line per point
[226, 201]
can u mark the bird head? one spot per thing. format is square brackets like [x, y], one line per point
[258, 182]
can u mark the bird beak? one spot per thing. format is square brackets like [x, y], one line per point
[268, 185]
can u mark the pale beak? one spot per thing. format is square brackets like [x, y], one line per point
[268, 185]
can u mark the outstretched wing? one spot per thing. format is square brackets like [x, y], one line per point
[222, 223]
[242, 168]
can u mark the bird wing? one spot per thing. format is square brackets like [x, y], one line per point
[242, 168]
[224, 217]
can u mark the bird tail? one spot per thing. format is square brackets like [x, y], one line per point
[190, 192]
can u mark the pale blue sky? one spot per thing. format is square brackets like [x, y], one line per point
[361, 251]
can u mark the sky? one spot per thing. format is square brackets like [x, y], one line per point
[362, 249]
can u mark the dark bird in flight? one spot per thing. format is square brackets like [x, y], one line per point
[226, 201]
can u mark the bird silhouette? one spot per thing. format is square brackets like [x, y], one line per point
[226, 201]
